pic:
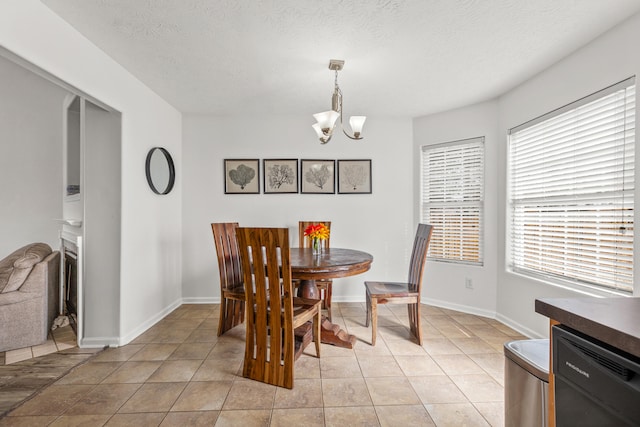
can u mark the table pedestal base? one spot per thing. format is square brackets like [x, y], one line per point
[330, 333]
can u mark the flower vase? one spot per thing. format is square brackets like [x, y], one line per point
[317, 246]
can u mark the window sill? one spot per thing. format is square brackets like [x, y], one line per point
[585, 290]
[451, 261]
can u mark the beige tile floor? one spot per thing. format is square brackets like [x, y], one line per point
[180, 373]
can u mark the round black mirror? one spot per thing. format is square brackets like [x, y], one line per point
[161, 173]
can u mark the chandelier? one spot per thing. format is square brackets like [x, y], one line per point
[326, 121]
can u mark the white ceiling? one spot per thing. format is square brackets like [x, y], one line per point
[403, 57]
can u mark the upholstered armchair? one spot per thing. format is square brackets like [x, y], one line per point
[29, 283]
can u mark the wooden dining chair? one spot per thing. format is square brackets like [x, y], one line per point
[402, 292]
[231, 281]
[325, 285]
[273, 313]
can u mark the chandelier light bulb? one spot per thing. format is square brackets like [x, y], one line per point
[326, 119]
[356, 123]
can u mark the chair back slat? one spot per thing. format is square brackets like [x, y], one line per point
[224, 236]
[264, 255]
[305, 241]
[419, 256]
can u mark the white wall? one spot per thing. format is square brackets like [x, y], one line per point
[444, 283]
[30, 158]
[151, 224]
[101, 186]
[607, 60]
[157, 236]
[381, 223]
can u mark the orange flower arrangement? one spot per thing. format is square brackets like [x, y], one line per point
[317, 232]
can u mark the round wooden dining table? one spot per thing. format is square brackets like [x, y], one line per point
[331, 263]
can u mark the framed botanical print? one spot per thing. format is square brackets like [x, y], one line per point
[241, 176]
[354, 176]
[280, 176]
[317, 176]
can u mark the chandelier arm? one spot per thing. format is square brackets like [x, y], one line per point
[337, 89]
[348, 136]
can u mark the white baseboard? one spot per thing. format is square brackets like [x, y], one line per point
[459, 307]
[115, 342]
[201, 300]
[484, 313]
[149, 323]
[530, 333]
[348, 299]
[99, 342]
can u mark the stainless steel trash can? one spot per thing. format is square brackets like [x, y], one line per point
[526, 383]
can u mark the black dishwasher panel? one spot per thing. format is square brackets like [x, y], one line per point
[595, 385]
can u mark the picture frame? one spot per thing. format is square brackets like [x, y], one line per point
[354, 176]
[280, 176]
[317, 176]
[241, 176]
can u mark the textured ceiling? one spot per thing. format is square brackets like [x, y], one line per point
[403, 57]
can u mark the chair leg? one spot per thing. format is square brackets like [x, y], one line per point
[317, 322]
[414, 321]
[223, 310]
[366, 320]
[231, 314]
[327, 299]
[374, 319]
[418, 324]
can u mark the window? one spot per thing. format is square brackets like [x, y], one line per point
[453, 199]
[571, 192]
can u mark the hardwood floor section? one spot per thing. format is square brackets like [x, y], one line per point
[21, 380]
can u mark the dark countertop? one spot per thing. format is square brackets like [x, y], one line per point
[615, 321]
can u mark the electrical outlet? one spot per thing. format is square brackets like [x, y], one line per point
[468, 283]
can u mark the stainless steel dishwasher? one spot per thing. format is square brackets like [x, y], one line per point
[526, 383]
[595, 384]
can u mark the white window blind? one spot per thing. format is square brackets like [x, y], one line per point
[453, 199]
[571, 192]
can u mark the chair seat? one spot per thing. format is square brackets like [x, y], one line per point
[395, 289]
[303, 309]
